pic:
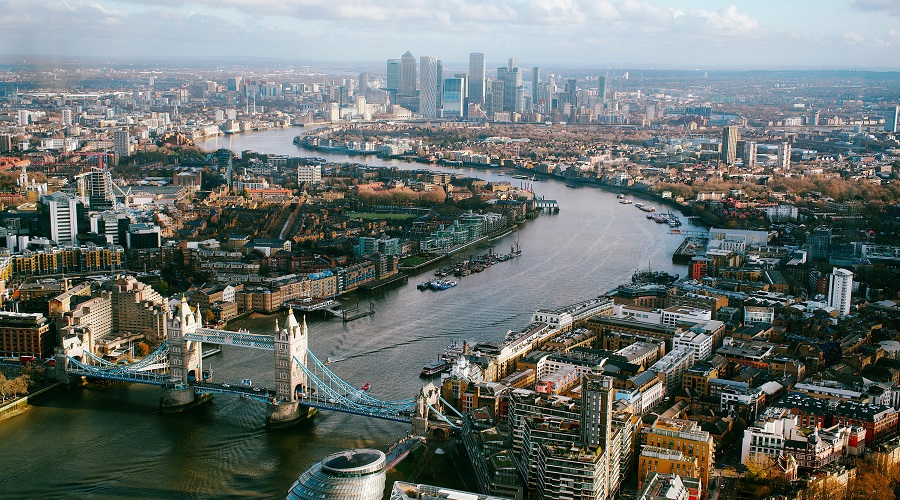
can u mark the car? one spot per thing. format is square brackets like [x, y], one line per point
[722, 486]
[256, 389]
[225, 385]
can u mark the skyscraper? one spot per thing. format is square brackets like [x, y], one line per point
[891, 118]
[393, 75]
[476, 78]
[840, 286]
[496, 98]
[730, 135]
[784, 155]
[363, 83]
[601, 89]
[428, 86]
[535, 84]
[512, 84]
[225, 162]
[454, 102]
[407, 75]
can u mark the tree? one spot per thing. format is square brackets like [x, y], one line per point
[143, 349]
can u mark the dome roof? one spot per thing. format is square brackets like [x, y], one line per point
[357, 474]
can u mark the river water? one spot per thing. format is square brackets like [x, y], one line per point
[110, 441]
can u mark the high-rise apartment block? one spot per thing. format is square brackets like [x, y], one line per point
[891, 119]
[428, 86]
[121, 143]
[730, 136]
[784, 155]
[840, 286]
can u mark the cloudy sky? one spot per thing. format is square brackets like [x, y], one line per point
[634, 33]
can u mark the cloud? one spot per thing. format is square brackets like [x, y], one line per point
[727, 21]
[891, 7]
[854, 37]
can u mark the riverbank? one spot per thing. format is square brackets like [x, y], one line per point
[413, 270]
[20, 405]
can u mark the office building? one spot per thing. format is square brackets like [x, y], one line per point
[476, 78]
[513, 91]
[353, 474]
[393, 75]
[840, 286]
[60, 216]
[428, 86]
[309, 173]
[535, 84]
[730, 136]
[453, 100]
[142, 236]
[783, 160]
[601, 89]
[891, 117]
[121, 143]
[407, 75]
[25, 335]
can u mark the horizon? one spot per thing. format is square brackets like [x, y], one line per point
[837, 34]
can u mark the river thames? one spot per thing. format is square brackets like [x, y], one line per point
[111, 441]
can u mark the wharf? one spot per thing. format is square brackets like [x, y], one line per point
[691, 247]
[376, 286]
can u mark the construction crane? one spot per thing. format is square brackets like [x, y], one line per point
[105, 179]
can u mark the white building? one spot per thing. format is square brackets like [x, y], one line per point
[757, 314]
[782, 213]
[428, 86]
[840, 286]
[670, 368]
[309, 173]
[699, 344]
[62, 211]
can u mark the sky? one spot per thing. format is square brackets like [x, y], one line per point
[847, 34]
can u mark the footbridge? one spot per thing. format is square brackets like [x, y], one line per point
[302, 385]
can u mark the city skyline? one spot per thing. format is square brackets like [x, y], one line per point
[836, 34]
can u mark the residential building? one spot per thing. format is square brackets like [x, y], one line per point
[670, 487]
[687, 437]
[138, 308]
[730, 136]
[428, 87]
[309, 173]
[655, 460]
[840, 288]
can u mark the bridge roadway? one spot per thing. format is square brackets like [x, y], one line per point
[225, 337]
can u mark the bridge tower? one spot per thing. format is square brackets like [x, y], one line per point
[185, 360]
[428, 397]
[290, 342]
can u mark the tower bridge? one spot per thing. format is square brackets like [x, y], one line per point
[302, 383]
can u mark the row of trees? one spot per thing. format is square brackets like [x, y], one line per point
[13, 388]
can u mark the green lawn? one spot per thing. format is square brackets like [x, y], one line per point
[415, 260]
[377, 216]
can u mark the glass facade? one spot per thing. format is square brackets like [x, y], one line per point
[353, 474]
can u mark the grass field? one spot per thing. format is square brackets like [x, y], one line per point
[415, 260]
[379, 216]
